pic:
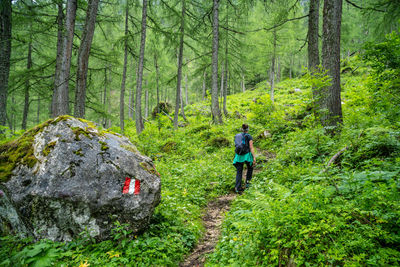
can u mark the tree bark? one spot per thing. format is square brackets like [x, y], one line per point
[62, 81]
[204, 84]
[138, 100]
[157, 82]
[273, 69]
[5, 54]
[313, 50]
[243, 83]
[216, 113]
[60, 39]
[278, 72]
[146, 101]
[27, 85]
[83, 58]
[186, 90]
[179, 76]
[122, 94]
[331, 62]
[313, 28]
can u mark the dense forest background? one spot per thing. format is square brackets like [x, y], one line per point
[317, 81]
[118, 70]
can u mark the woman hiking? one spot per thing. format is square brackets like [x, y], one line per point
[244, 153]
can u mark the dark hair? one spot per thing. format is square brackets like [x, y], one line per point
[245, 127]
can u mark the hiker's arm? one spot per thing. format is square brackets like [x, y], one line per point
[252, 151]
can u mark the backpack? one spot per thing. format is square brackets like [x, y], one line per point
[241, 145]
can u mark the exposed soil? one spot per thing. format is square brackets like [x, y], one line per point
[212, 221]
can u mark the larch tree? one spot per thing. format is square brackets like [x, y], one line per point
[122, 94]
[61, 99]
[178, 100]
[83, 58]
[216, 113]
[332, 107]
[138, 100]
[5, 54]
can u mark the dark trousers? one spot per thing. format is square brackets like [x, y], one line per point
[239, 172]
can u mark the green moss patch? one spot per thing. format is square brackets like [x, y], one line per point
[79, 152]
[49, 147]
[104, 145]
[150, 168]
[130, 148]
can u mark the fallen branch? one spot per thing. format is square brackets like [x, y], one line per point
[334, 158]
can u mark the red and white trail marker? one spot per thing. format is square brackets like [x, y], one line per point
[131, 186]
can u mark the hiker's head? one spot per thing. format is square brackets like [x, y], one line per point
[245, 128]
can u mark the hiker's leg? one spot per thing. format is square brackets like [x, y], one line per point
[249, 171]
[239, 171]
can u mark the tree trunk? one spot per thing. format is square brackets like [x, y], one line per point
[146, 101]
[157, 83]
[331, 62]
[313, 28]
[122, 94]
[278, 73]
[313, 50]
[83, 58]
[27, 85]
[225, 91]
[186, 90]
[216, 113]
[243, 83]
[105, 96]
[204, 85]
[60, 39]
[38, 111]
[62, 81]
[138, 103]
[5, 54]
[180, 56]
[273, 69]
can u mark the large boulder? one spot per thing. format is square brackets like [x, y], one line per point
[66, 176]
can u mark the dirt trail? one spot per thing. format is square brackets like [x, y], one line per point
[212, 221]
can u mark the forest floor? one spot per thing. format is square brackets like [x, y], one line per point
[212, 221]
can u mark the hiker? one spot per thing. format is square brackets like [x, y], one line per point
[244, 153]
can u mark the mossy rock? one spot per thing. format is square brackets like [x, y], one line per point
[169, 146]
[20, 150]
[201, 128]
[162, 107]
[220, 142]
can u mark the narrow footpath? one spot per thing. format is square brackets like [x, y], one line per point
[212, 222]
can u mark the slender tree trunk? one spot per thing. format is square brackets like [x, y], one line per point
[291, 67]
[278, 73]
[216, 113]
[273, 69]
[225, 92]
[146, 102]
[38, 111]
[138, 111]
[186, 100]
[27, 85]
[180, 56]
[62, 82]
[122, 94]
[131, 92]
[186, 90]
[313, 29]
[105, 95]
[83, 58]
[5, 54]
[331, 62]
[157, 82]
[60, 39]
[204, 84]
[243, 83]
[313, 50]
